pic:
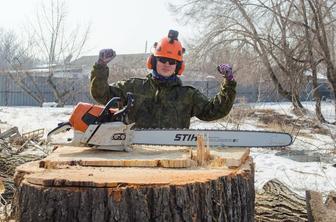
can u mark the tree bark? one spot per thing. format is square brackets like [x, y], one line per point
[76, 193]
[276, 202]
[319, 211]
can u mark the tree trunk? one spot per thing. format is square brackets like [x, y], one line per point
[278, 203]
[334, 94]
[298, 107]
[88, 193]
[319, 211]
[312, 64]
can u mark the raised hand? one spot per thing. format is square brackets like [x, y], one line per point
[226, 71]
[105, 56]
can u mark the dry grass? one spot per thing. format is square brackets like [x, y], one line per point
[271, 120]
[285, 123]
[238, 115]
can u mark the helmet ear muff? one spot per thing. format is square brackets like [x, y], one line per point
[151, 62]
[180, 68]
[180, 65]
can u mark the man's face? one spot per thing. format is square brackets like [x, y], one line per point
[165, 66]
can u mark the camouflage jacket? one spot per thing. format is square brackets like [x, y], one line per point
[162, 105]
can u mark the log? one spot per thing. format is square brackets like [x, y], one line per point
[319, 211]
[276, 202]
[48, 191]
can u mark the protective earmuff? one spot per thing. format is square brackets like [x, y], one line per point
[151, 64]
[180, 68]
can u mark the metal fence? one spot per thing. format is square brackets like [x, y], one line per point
[12, 95]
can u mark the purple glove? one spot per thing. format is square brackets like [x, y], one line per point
[226, 71]
[105, 56]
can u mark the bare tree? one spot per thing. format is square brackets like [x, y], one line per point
[55, 44]
[316, 22]
[247, 24]
[242, 59]
[312, 57]
[285, 47]
[323, 13]
[305, 24]
[15, 58]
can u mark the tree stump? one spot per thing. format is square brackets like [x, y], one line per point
[83, 184]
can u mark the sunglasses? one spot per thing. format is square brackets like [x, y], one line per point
[164, 60]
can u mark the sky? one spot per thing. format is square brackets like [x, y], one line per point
[123, 25]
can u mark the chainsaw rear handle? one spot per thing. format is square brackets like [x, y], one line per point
[121, 114]
[106, 115]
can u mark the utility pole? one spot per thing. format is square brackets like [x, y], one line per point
[146, 47]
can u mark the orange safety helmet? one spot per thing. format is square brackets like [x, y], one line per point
[168, 47]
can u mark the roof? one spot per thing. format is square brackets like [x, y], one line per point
[84, 64]
[124, 60]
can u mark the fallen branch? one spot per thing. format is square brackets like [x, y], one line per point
[37, 146]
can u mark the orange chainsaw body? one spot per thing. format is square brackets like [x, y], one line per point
[84, 114]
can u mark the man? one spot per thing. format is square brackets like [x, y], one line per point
[161, 101]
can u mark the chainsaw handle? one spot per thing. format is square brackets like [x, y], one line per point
[105, 113]
[121, 114]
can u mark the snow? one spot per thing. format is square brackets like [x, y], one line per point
[32, 118]
[298, 176]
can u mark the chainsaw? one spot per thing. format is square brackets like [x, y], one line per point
[104, 127]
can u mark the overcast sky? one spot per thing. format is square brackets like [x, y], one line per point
[123, 25]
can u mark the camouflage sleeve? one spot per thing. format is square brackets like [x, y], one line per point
[100, 90]
[218, 106]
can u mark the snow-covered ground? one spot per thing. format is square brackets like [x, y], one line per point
[299, 176]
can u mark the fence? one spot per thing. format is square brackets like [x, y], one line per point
[12, 95]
